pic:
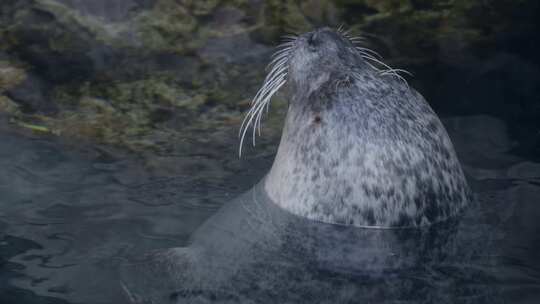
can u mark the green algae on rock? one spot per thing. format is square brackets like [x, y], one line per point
[10, 76]
[167, 67]
[167, 26]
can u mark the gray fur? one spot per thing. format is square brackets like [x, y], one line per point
[360, 147]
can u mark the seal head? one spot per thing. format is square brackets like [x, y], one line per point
[359, 147]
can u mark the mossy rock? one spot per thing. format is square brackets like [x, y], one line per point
[133, 105]
[167, 27]
[8, 106]
[95, 119]
[283, 17]
[10, 76]
[200, 7]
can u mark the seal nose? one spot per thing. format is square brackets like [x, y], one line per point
[313, 38]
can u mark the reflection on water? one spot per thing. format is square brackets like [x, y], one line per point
[69, 215]
[71, 219]
[253, 252]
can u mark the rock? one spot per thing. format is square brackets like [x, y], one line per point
[129, 72]
[200, 8]
[31, 95]
[45, 36]
[168, 26]
[10, 76]
[220, 50]
[110, 11]
[8, 106]
[492, 143]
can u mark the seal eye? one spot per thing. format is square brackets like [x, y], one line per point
[317, 119]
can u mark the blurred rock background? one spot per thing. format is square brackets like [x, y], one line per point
[145, 75]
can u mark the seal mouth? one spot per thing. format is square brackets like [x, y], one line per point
[306, 45]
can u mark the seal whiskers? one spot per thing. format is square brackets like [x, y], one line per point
[372, 56]
[275, 79]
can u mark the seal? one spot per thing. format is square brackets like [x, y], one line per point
[359, 146]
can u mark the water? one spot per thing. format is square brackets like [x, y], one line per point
[73, 216]
[69, 212]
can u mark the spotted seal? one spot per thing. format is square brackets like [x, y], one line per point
[359, 146]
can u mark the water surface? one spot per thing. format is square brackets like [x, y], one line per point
[71, 215]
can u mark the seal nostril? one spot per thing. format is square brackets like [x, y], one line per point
[312, 39]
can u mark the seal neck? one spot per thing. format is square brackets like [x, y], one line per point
[313, 169]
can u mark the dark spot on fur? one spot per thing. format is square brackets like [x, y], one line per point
[369, 216]
[348, 191]
[345, 151]
[391, 192]
[327, 172]
[317, 119]
[433, 127]
[403, 220]
[340, 221]
[366, 190]
[377, 192]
